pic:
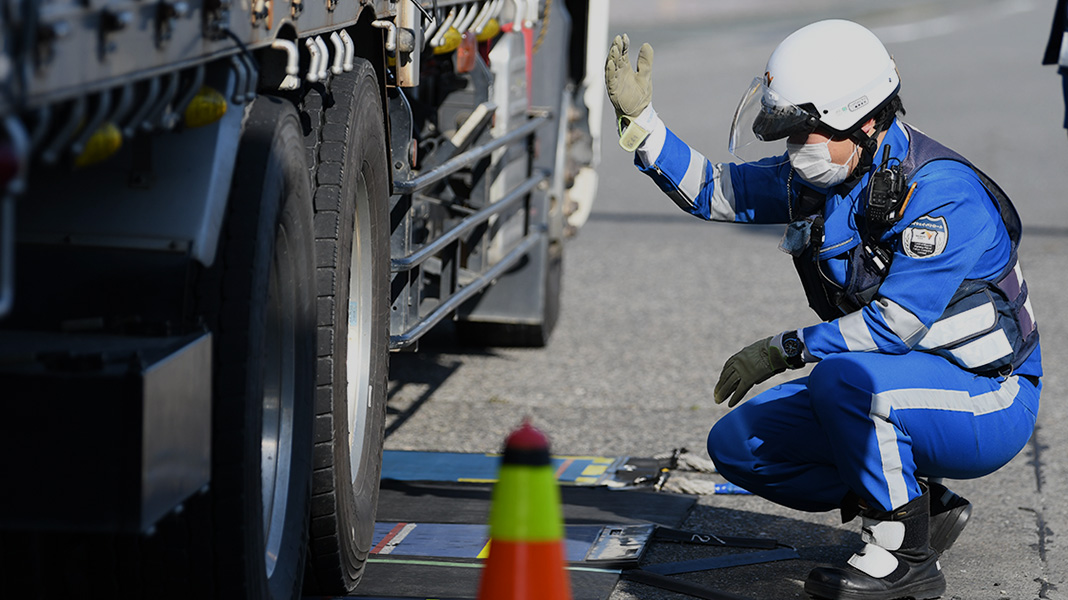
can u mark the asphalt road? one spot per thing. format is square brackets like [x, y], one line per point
[655, 301]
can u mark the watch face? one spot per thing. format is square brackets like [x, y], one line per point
[791, 346]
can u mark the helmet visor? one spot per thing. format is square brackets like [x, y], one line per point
[763, 118]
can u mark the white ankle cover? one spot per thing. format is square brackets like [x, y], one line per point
[875, 561]
[887, 534]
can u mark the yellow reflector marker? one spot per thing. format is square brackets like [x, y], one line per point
[449, 42]
[489, 31]
[207, 107]
[104, 142]
[593, 470]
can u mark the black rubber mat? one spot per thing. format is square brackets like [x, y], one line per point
[421, 582]
[431, 502]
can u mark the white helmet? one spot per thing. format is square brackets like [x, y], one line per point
[831, 75]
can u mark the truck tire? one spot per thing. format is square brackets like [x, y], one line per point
[258, 299]
[346, 139]
[245, 537]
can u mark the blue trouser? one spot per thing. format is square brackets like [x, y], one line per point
[872, 423]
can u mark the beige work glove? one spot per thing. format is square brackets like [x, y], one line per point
[753, 364]
[629, 91]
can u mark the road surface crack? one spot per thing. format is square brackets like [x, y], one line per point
[1045, 534]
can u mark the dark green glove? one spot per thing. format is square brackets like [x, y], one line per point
[754, 364]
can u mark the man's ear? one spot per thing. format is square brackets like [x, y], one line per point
[868, 127]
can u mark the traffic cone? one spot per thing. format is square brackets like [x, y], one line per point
[526, 553]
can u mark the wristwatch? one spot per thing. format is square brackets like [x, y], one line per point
[792, 349]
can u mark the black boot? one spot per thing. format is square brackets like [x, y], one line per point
[897, 560]
[949, 515]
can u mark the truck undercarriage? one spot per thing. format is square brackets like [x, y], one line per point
[215, 224]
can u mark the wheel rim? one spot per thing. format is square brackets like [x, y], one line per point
[276, 442]
[358, 367]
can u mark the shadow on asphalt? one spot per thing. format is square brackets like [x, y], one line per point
[425, 370]
[816, 544]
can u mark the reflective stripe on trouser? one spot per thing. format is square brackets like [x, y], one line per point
[872, 423]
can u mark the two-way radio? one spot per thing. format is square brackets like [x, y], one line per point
[887, 195]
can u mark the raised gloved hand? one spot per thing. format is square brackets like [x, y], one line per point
[629, 91]
[755, 364]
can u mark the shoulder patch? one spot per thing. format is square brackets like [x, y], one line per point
[925, 237]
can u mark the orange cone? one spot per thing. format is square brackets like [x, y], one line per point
[526, 555]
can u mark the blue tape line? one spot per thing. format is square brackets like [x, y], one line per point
[730, 488]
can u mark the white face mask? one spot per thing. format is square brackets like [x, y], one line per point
[813, 163]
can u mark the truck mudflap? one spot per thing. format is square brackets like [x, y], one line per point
[127, 425]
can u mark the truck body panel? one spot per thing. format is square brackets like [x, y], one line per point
[121, 463]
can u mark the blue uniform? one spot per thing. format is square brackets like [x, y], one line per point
[885, 404]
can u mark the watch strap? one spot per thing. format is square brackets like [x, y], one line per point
[789, 344]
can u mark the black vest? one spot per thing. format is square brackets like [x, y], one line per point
[1002, 304]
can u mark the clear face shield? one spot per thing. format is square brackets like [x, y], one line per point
[763, 121]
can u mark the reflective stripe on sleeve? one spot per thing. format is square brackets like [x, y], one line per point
[901, 322]
[722, 204]
[650, 149]
[695, 176]
[855, 332]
